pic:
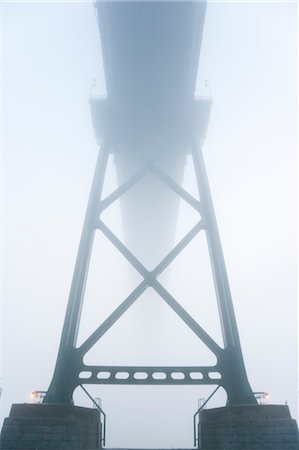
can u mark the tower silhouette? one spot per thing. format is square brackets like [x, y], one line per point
[150, 52]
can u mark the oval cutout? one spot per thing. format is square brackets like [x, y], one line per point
[85, 375]
[178, 376]
[140, 375]
[104, 375]
[196, 375]
[215, 375]
[122, 375]
[159, 375]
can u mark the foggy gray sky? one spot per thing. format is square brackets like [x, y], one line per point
[51, 54]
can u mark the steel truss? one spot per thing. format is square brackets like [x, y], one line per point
[228, 372]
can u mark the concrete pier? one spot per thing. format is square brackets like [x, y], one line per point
[51, 427]
[67, 427]
[248, 427]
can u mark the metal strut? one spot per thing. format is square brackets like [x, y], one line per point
[229, 370]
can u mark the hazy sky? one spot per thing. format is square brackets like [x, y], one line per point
[51, 54]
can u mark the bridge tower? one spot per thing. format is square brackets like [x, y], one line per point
[151, 52]
[150, 111]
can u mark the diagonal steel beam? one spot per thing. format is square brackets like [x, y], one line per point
[152, 167]
[149, 279]
[123, 249]
[115, 195]
[178, 249]
[185, 316]
[175, 187]
[107, 324]
[136, 263]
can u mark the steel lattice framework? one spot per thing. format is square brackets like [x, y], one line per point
[229, 371]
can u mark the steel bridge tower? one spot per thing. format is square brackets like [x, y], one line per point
[151, 53]
[150, 110]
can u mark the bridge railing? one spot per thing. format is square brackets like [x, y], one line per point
[102, 418]
[196, 419]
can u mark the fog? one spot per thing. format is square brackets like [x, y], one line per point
[51, 55]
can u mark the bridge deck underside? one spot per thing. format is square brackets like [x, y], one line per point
[150, 50]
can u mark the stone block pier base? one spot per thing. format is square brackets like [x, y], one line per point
[51, 427]
[248, 427]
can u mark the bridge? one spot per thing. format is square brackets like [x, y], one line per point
[151, 52]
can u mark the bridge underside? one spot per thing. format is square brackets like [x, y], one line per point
[150, 52]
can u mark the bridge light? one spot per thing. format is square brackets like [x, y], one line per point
[37, 396]
[262, 397]
[266, 396]
[33, 395]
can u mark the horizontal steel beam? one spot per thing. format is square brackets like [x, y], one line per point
[150, 375]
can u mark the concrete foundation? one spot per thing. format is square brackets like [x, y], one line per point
[254, 427]
[51, 427]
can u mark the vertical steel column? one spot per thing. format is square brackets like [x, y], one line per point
[225, 306]
[65, 374]
[232, 364]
